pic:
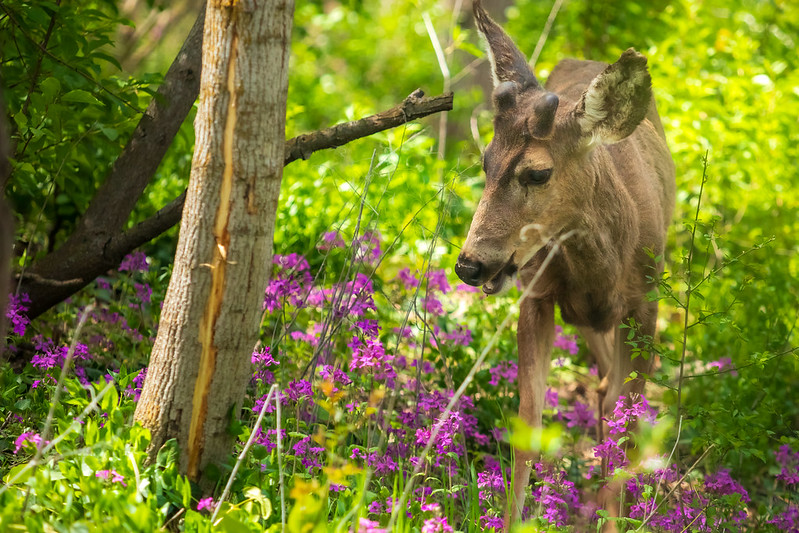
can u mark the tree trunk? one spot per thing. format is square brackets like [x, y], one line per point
[200, 364]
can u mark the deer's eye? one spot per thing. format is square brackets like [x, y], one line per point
[534, 177]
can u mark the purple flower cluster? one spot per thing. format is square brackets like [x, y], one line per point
[556, 495]
[370, 356]
[269, 439]
[134, 388]
[505, 370]
[788, 460]
[582, 416]
[29, 437]
[134, 262]
[567, 343]
[367, 247]
[490, 482]
[48, 355]
[111, 475]
[408, 280]
[788, 520]
[723, 365]
[310, 456]
[627, 413]
[16, 313]
[262, 359]
[688, 509]
[436, 525]
[206, 503]
[291, 282]
[330, 240]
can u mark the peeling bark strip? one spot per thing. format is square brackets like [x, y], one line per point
[218, 269]
[199, 367]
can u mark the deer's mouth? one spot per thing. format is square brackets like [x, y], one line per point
[502, 279]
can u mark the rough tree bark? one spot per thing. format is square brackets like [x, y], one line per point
[209, 324]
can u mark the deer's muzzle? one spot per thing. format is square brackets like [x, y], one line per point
[492, 277]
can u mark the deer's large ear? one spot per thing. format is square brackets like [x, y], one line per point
[508, 63]
[617, 100]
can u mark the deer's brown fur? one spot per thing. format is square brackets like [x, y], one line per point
[584, 155]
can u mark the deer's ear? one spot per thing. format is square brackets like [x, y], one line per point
[508, 63]
[617, 100]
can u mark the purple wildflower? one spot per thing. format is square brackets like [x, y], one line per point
[262, 360]
[206, 503]
[291, 283]
[375, 507]
[269, 439]
[369, 328]
[367, 247]
[16, 313]
[787, 520]
[492, 522]
[788, 459]
[437, 281]
[724, 364]
[460, 335]
[408, 280]
[299, 389]
[436, 525]
[505, 370]
[432, 305]
[722, 484]
[143, 292]
[610, 450]
[330, 240]
[627, 413]
[28, 437]
[551, 397]
[582, 416]
[52, 356]
[566, 343]
[134, 262]
[556, 495]
[112, 475]
[369, 526]
[134, 388]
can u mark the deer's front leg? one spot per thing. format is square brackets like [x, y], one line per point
[536, 334]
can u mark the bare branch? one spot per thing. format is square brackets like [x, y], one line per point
[413, 107]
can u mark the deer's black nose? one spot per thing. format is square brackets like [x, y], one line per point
[469, 271]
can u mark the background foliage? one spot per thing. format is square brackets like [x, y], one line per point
[726, 83]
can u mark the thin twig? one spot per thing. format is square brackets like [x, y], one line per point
[281, 484]
[689, 289]
[243, 454]
[545, 33]
[442, 65]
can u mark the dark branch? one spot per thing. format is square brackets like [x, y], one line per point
[413, 107]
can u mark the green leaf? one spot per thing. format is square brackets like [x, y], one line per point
[81, 97]
[18, 474]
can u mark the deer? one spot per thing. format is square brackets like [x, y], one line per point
[578, 179]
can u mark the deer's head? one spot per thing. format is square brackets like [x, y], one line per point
[540, 170]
